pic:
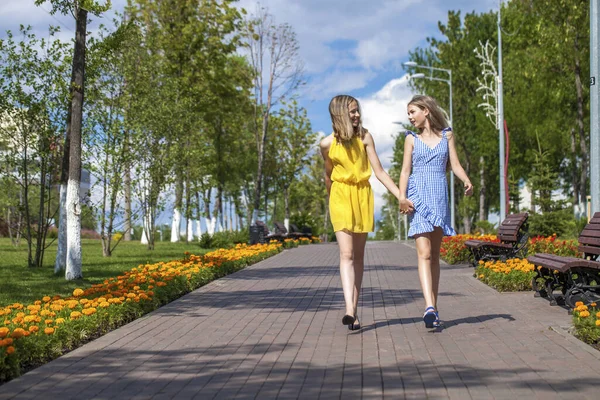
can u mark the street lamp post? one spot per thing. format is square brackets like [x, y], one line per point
[449, 82]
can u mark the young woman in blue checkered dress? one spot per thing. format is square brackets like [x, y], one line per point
[424, 192]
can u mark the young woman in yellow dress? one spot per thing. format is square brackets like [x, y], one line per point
[349, 155]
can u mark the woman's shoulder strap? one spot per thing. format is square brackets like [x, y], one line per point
[410, 133]
[446, 130]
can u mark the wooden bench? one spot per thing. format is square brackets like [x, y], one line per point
[268, 236]
[578, 279]
[513, 234]
[282, 230]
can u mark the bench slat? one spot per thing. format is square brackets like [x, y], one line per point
[589, 241]
[589, 249]
[548, 263]
[590, 231]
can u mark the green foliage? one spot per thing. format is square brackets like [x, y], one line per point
[559, 222]
[485, 227]
[223, 240]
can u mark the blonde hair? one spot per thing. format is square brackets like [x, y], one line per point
[340, 118]
[438, 119]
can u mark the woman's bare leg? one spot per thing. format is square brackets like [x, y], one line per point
[436, 243]
[358, 244]
[423, 243]
[345, 243]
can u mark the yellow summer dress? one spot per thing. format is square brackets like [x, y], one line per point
[351, 202]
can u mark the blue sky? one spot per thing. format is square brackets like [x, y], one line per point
[355, 47]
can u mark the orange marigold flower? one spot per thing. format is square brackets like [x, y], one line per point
[584, 314]
[4, 332]
[46, 299]
[104, 304]
[49, 331]
[75, 314]
[89, 311]
[593, 304]
[34, 328]
[8, 341]
[10, 350]
[579, 303]
[18, 333]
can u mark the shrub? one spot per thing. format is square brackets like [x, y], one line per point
[560, 222]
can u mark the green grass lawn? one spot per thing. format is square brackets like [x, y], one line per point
[19, 283]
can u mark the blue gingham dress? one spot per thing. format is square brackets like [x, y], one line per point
[428, 187]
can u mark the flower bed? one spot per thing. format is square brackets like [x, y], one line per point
[33, 334]
[454, 251]
[553, 245]
[512, 275]
[586, 321]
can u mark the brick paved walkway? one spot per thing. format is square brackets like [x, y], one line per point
[274, 330]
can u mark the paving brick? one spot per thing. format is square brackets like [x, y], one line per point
[273, 330]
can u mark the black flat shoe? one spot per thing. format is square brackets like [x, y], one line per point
[348, 320]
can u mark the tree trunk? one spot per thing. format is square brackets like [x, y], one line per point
[176, 223]
[482, 214]
[127, 191]
[582, 142]
[61, 254]
[73, 268]
[286, 201]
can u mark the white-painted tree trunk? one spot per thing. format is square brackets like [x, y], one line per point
[210, 225]
[145, 228]
[176, 225]
[286, 222]
[198, 229]
[60, 264]
[73, 266]
[190, 230]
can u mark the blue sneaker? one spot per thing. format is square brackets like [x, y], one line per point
[429, 317]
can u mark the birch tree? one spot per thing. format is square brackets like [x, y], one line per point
[278, 73]
[79, 10]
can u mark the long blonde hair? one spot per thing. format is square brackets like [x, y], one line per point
[438, 119]
[340, 118]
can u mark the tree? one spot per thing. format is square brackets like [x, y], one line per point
[33, 86]
[277, 73]
[293, 138]
[79, 10]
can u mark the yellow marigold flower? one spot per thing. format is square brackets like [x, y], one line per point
[29, 318]
[104, 304]
[34, 328]
[59, 321]
[77, 292]
[75, 314]
[84, 301]
[4, 332]
[598, 322]
[584, 314]
[593, 304]
[49, 331]
[10, 350]
[46, 299]
[101, 300]
[579, 303]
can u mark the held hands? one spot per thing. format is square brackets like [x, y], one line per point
[468, 188]
[406, 206]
